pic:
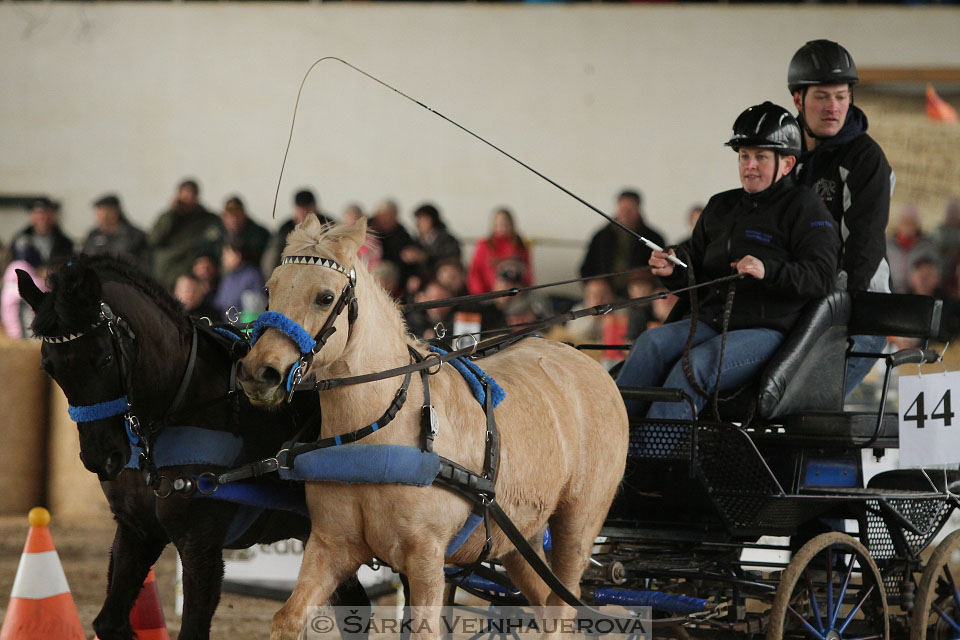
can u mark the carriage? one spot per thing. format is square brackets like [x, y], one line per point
[781, 474]
[762, 523]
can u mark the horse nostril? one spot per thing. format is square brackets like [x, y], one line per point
[268, 375]
[113, 465]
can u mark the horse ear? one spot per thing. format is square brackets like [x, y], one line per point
[29, 290]
[360, 231]
[312, 224]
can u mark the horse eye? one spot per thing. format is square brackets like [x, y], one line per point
[324, 299]
[106, 360]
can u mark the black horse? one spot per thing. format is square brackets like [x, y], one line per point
[111, 334]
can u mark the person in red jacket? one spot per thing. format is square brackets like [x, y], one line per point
[503, 243]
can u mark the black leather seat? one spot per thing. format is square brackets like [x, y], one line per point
[801, 390]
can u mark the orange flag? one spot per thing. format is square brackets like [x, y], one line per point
[938, 109]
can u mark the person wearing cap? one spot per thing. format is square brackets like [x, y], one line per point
[239, 227]
[848, 169]
[43, 234]
[114, 235]
[304, 204]
[181, 233]
[777, 234]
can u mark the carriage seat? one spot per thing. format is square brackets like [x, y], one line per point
[806, 372]
[802, 386]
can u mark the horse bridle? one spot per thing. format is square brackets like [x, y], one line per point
[120, 332]
[308, 345]
[123, 339]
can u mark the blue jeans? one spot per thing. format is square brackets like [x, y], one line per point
[858, 368]
[655, 361]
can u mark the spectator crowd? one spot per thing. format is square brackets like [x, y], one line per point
[217, 264]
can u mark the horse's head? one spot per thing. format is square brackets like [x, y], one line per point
[88, 351]
[312, 306]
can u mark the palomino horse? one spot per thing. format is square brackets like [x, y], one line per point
[562, 424]
[142, 356]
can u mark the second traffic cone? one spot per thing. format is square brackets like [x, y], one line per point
[41, 606]
[147, 614]
[146, 617]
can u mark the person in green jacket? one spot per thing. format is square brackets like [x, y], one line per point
[181, 233]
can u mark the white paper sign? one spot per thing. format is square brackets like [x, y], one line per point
[929, 424]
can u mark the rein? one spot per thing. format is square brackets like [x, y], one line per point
[503, 293]
[487, 347]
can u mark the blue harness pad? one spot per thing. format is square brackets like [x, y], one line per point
[366, 463]
[290, 328]
[253, 494]
[470, 371]
[177, 446]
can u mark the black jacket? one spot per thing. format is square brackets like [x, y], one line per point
[788, 228]
[61, 247]
[601, 254]
[851, 174]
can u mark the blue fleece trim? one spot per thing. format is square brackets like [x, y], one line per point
[176, 446]
[468, 528]
[291, 329]
[226, 333]
[366, 463]
[293, 371]
[467, 369]
[99, 411]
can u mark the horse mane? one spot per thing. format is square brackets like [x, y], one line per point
[73, 303]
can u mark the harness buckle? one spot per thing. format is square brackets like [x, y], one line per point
[440, 330]
[435, 356]
[233, 314]
[459, 344]
[434, 420]
[134, 423]
[207, 483]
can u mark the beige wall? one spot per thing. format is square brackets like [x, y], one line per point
[127, 97]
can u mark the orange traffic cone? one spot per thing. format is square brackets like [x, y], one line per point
[146, 617]
[147, 614]
[41, 606]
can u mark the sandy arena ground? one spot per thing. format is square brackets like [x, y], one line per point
[84, 552]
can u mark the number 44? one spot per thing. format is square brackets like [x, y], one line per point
[920, 417]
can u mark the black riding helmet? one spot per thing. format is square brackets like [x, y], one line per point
[767, 126]
[821, 62]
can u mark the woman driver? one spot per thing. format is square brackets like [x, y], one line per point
[778, 234]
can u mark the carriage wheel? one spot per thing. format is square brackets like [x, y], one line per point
[831, 590]
[936, 613]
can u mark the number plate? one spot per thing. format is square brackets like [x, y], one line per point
[929, 428]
